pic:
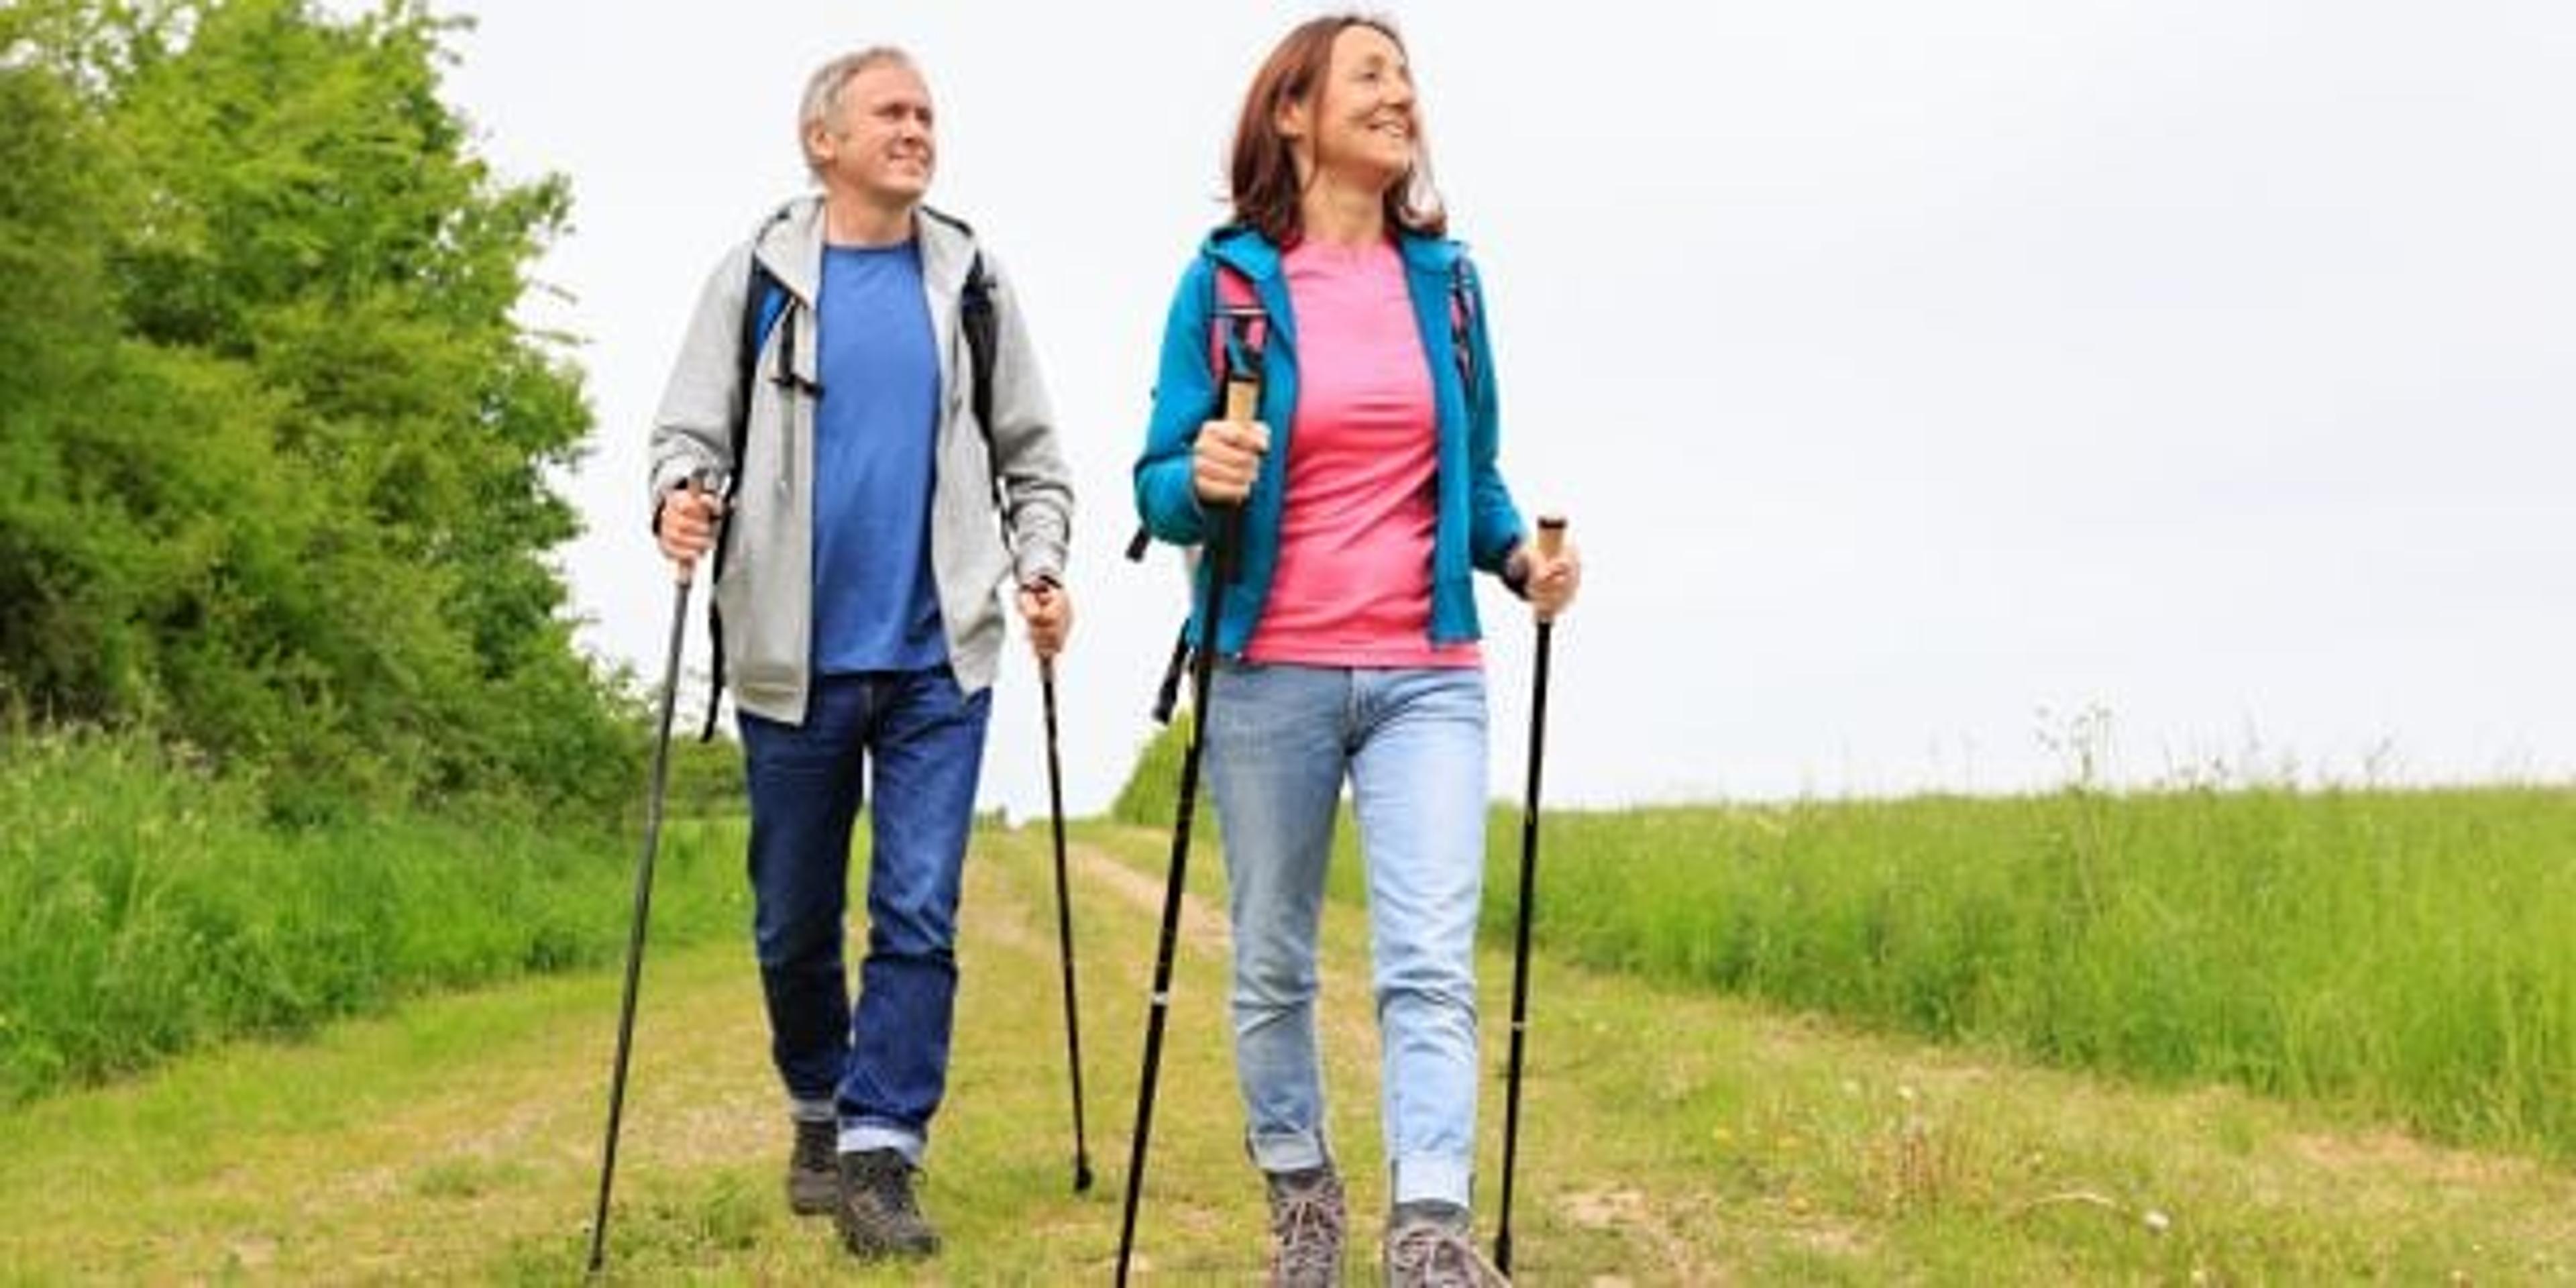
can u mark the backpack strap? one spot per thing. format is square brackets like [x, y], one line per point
[1238, 332]
[766, 307]
[1238, 328]
[981, 320]
[1462, 325]
[982, 324]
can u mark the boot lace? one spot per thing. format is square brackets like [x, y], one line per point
[1306, 1225]
[1431, 1255]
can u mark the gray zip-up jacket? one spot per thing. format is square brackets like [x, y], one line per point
[765, 590]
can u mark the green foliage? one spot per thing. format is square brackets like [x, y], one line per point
[706, 778]
[147, 907]
[279, 452]
[2401, 954]
[1151, 795]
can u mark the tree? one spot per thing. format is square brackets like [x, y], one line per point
[293, 449]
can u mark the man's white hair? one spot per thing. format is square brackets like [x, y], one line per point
[822, 101]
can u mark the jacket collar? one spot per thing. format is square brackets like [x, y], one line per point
[1248, 252]
[790, 243]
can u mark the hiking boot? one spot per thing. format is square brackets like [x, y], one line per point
[814, 1168]
[1429, 1245]
[1306, 1224]
[877, 1214]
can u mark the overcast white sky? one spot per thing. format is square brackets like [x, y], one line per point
[1915, 376]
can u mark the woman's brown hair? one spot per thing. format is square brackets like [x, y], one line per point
[1264, 170]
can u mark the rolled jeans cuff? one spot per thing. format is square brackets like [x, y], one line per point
[860, 1136]
[1432, 1178]
[1294, 1151]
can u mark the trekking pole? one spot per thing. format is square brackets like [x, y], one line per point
[1064, 927]
[1551, 537]
[643, 908]
[1242, 397]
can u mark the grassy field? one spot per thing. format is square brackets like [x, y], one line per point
[2390, 956]
[2394, 956]
[1673, 1135]
[147, 908]
[2192, 1036]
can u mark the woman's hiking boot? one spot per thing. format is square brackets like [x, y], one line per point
[1430, 1245]
[1306, 1225]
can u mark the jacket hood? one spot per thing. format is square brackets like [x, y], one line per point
[1244, 249]
[790, 244]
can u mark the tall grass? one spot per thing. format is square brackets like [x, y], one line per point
[2409, 955]
[146, 907]
[1152, 793]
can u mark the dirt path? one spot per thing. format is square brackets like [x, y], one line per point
[1203, 926]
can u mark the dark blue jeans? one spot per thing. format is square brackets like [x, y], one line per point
[919, 743]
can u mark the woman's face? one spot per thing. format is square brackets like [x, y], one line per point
[1362, 127]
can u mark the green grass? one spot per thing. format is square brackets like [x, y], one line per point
[1677, 1135]
[147, 908]
[1671, 1135]
[1151, 795]
[2401, 956]
[2357, 958]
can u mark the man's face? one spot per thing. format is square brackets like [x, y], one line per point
[880, 143]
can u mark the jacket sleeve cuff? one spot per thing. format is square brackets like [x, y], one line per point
[673, 473]
[1515, 572]
[1039, 560]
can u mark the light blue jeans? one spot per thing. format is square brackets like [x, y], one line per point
[1280, 742]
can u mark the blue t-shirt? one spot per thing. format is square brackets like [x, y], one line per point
[875, 605]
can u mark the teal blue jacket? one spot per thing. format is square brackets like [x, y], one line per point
[1477, 525]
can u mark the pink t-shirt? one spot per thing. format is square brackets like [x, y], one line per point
[1353, 583]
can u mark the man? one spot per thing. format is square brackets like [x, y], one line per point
[858, 603]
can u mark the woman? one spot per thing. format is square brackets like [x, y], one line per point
[1369, 494]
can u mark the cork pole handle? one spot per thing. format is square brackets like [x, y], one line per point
[1551, 535]
[1242, 396]
[1549, 544]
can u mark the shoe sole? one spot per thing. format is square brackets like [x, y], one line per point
[868, 1251]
